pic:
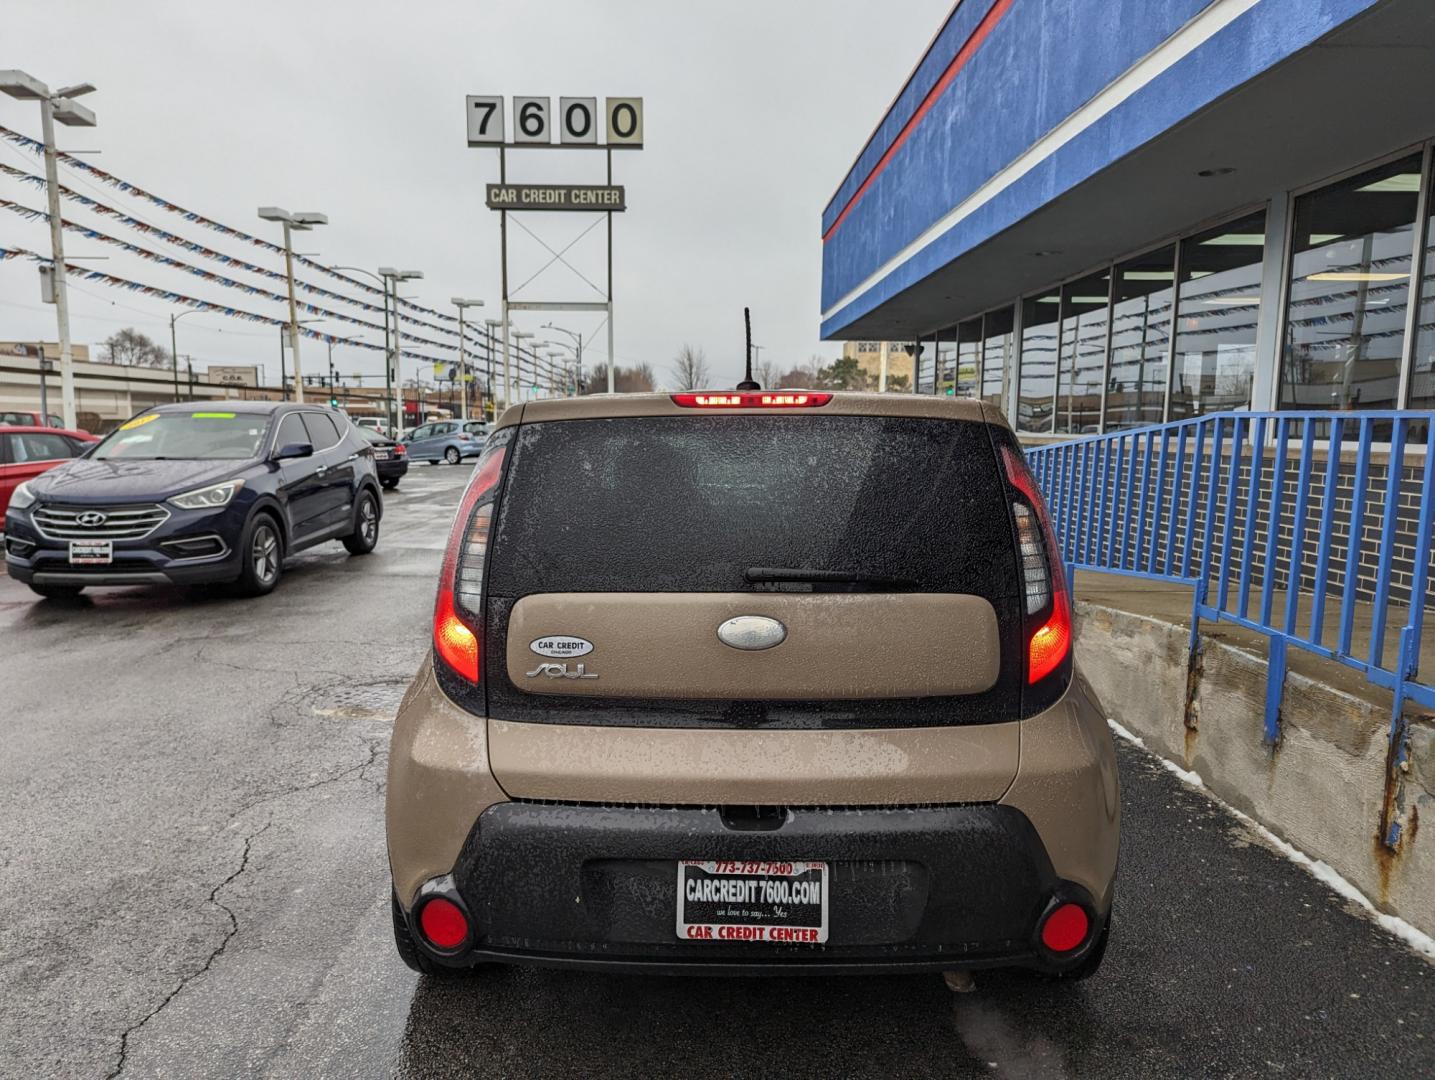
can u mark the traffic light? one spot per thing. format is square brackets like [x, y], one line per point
[333, 402]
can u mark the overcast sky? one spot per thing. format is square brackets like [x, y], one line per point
[754, 110]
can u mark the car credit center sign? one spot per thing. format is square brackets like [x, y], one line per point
[234, 375]
[555, 197]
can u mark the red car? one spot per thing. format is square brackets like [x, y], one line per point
[28, 419]
[27, 451]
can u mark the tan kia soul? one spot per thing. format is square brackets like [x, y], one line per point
[752, 682]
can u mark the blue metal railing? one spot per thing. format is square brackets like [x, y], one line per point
[1296, 511]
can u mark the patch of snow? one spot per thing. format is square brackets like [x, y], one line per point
[1130, 737]
[1184, 775]
[1323, 872]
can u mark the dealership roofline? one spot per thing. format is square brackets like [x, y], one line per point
[932, 44]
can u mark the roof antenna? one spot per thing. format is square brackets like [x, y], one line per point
[747, 383]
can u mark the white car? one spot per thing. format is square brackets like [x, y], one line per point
[373, 423]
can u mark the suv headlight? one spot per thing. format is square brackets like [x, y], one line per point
[207, 498]
[22, 497]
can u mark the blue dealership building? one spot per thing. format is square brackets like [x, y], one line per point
[1104, 214]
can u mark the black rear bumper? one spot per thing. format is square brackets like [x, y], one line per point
[911, 889]
[392, 469]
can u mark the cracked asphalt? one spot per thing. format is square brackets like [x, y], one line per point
[193, 884]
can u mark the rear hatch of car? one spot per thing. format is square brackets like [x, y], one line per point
[881, 544]
[870, 554]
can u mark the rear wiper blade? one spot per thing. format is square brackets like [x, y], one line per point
[756, 574]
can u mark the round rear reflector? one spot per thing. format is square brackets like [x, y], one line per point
[1065, 928]
[443, 923]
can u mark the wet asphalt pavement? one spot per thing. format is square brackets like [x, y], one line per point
[193, 884]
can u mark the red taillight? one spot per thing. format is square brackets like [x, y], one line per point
[1051, 642]
[443, 923]
[1043, 575]
[460, 582]
[399, 449]
[767, 399]
[1065, 928]
[453, 638]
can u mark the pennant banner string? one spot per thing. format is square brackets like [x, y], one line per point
[219, 256]
[38, 148]
[208, 275]
[168, 295]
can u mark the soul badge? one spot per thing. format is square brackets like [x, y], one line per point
[560, 671]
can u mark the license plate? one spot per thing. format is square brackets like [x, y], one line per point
[91, 552]
[381, 455]
[773, 903]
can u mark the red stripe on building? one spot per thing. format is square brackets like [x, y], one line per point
[965, 53]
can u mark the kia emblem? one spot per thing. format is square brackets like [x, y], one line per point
[752, 632]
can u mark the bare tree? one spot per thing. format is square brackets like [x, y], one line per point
[630, 380]
[639, 378]
[804, 376]
[595, 380]
[129, 346]
[690, 368]
[767, 373]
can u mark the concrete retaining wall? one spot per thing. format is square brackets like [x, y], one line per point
[1321, 790]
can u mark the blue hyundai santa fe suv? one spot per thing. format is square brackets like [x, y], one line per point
[194, 493]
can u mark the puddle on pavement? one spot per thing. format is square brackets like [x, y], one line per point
[376, 701]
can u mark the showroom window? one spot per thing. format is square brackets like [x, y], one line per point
[1140, 339]
[925, 363]
[1036, 386]
[946, 361]
[1220, 302]
[969, 356]
[998, 342]
[1422, 372]
[1083, 354]
[1349, 289]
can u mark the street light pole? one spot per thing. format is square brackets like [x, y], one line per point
[174, 354]
[44, 383]
[293, 223]
[55, 106]
[518, 336]
[557, 366]
[392, 277]
[578, 349]
[462, 368]
[293, 314]
[460, 303]
[174, 346]
[575, 373]
[395, 411]
[492, 325]
[57, 246]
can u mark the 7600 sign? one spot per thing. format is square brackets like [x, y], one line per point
[576, 122]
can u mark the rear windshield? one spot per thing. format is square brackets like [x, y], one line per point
[694, 504]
